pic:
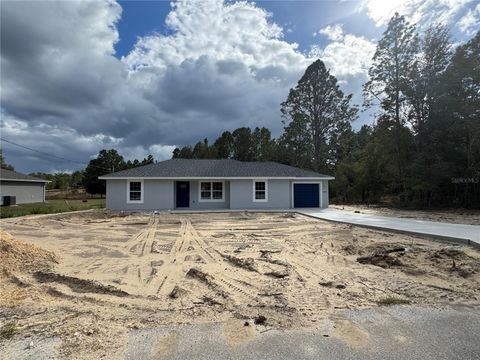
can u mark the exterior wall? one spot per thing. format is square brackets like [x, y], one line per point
[200, 205]
[279, 195]
[25, 191]
[325, 196]
[158, 195]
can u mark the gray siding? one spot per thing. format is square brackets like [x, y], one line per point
[26, 192]
[158, 195]
[325, 193]
[199, 205]
[241, 195]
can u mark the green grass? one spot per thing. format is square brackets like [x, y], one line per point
[390, 300]
[51, 207]
[8, 330]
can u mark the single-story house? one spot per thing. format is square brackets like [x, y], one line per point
[24, 188]
[215, 184]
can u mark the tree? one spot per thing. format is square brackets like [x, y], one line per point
[423, 93]
[106, 162]
[61, 181]
[148, 160]
[185, 152]
[263, 144]
[223, 146]
[318, 103]
[76, 179]
[423, 87]
[457, 133]
[392, 64]
[242, 144]
[201, 150]
[3, 164]
[295, 144]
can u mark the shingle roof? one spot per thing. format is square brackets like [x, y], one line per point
[203, 168]
[9, 175]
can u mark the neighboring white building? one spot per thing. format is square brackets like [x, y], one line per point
[26, 189]
[215, 184]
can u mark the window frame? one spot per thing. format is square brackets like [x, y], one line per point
[254, 190]
[141, 191]
[211, 199]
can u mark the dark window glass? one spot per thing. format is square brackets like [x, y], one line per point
[135, 191]
[260, 190]
[260, 185]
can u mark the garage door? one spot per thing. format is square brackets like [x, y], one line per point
[306, 195]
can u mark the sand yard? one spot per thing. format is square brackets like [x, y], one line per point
[103, 274]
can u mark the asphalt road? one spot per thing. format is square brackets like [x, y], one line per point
[399, 332]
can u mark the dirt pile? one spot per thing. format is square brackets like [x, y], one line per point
[16, 255]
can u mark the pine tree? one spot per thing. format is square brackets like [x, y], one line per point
[318, 103]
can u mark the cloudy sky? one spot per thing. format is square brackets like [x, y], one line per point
[144, 77]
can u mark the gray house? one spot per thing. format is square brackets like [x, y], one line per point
[26, 189]
[215, 184]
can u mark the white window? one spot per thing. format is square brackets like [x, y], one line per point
[211, 191]
[134, 191]
[260, 190]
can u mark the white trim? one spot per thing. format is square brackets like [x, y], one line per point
[320, 192]
[141, 191]
[254, 190]
[211, 181]
[214, 179]
[26, 180]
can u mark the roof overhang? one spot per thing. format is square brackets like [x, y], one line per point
[213, 177]
[26, 180]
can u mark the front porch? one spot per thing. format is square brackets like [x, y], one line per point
[202, 194]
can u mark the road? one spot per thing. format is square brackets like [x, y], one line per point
[399, 332]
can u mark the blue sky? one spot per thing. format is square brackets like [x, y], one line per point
[146, 76]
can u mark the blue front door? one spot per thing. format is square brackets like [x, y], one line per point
[183, 194]
[306, 196]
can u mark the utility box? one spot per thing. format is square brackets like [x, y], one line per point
[9, 200]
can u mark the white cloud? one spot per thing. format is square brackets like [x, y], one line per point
[334, 32]
[238, 31]
[348, 59]
[420, 12]
[470, 23]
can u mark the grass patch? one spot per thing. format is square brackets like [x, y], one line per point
[390, 300]
[51, 207]
[8, 330]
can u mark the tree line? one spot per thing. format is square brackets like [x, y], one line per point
[423, 149]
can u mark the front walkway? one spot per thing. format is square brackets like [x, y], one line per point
[469, 234]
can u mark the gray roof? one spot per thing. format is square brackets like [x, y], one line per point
[203, 168]
[9, 175]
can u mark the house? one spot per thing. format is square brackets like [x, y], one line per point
[26, 189]
[215, 184]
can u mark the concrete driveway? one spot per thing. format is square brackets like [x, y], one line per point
[469, 234]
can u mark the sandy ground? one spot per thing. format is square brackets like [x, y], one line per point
[455, 216]
[282, 271]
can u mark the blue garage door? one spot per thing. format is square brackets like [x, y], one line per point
[305, 195]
